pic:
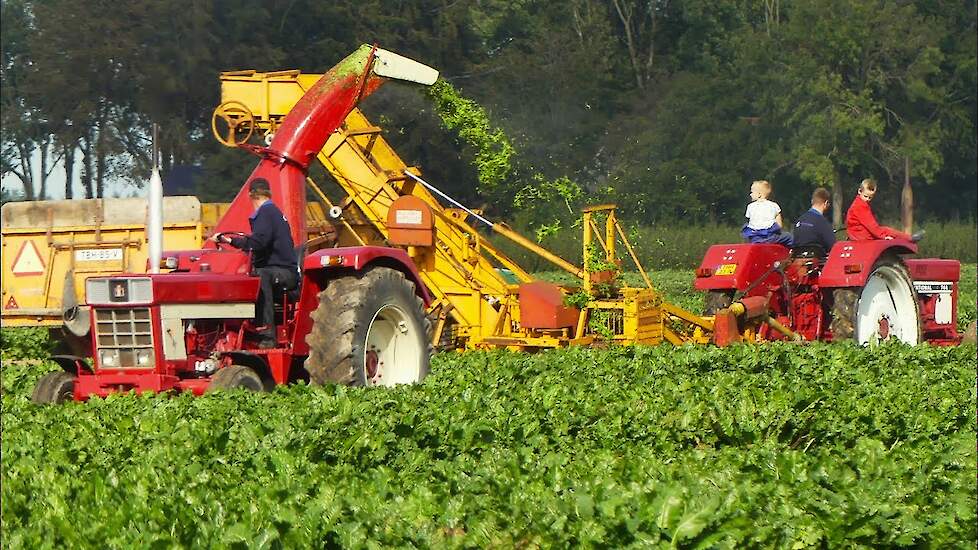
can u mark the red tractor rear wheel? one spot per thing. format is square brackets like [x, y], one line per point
[885, 307]
[370, 329]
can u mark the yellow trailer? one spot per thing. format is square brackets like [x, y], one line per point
[51, 247]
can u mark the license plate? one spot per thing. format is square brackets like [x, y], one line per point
[727, 269]
[98, 255]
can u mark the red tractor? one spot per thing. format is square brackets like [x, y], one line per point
[863, 290]
[357, 316]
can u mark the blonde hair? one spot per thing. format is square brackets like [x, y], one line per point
[765, 185]
[868, 184]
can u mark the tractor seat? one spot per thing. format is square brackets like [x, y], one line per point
[808, 251]
[292, 294]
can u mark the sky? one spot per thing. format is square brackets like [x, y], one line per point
[114, 187]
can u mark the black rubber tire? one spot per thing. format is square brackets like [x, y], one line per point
[54, 387]
[235, 377]
[338, 338]
[844, 308]
[717, 300]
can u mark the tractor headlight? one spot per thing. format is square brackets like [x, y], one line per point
[144, 358]
[109, 358]
[170, 262]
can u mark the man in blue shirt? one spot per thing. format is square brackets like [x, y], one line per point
[273, 255]
[813, 230]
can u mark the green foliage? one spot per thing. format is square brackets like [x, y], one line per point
[492, 149]
[24, 343]
[677, 246]
[967, 296]
[787, 446]
[774, 445]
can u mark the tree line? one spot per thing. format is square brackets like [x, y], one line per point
[669, 108]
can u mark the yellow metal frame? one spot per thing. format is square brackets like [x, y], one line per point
[460, 269]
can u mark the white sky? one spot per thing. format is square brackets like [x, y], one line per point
[114, 187]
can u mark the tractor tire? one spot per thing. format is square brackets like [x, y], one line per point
[235, 377]
[54, 387]
[717, 300]
[886, 307]
[370, 329]
[843, 324]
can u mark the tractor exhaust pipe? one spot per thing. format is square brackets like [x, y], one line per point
[154, 227]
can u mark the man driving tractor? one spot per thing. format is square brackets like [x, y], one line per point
[274, 256]
[812, 230]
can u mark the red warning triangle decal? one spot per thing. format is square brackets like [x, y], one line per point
[28, 260]
[11, 304]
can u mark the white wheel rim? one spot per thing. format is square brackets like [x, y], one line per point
[887, 308]
[393, 352]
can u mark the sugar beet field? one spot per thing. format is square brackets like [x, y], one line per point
[774, 446]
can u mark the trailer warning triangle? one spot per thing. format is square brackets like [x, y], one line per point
[28, 261]
[11, 304]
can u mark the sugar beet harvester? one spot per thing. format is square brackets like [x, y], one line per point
[399, 273]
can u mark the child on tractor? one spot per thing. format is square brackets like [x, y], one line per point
[764, 221]
[861, 224]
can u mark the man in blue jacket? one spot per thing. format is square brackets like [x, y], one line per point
[813, 230]
[273, 255]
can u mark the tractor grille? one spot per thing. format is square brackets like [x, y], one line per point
[125, 338]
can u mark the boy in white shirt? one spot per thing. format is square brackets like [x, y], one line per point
[764, 221]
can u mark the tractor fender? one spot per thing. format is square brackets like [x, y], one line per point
[850, 262]
[72, 364]
[736, 266]
[358, 258]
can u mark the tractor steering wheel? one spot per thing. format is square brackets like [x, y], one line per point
[239, 120]
[220, 244]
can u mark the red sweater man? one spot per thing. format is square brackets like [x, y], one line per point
[861, 224]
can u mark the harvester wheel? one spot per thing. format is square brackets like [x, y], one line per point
[235, 377]
[369, 330]
[717, 300]
[54, 387]
[886, 307]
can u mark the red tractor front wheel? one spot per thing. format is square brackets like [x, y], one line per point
[54, 387]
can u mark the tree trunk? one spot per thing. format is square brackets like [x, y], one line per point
[87, 162]
[838, 204]
[69, 156]
[906, 199]
[625, 15]
[26, 173]
[100, 160]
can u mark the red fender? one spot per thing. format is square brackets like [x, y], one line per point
[850, 262]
